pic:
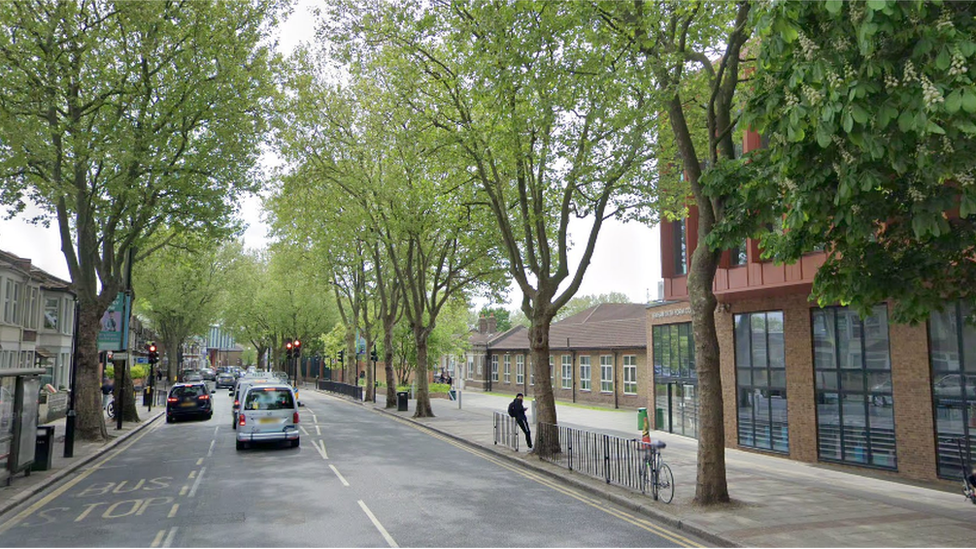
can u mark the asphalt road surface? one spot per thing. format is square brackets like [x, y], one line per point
[359, 479]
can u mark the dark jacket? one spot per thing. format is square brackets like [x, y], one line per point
[107, 388]
[516, 409]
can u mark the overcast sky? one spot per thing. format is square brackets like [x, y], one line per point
[626, 259]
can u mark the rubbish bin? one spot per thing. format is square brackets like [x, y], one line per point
[659, 419]
[641, 416]
[402, 401]
[43, 448]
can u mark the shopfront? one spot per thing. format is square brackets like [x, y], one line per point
[675, 379]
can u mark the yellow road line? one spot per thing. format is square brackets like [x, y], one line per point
[640, 522]
[67, 486]
[172, 512]
[158, 539]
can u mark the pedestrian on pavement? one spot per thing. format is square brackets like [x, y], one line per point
[517, 410]
[107, 388]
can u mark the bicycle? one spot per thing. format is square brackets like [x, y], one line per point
[657, 473]
[110, 408]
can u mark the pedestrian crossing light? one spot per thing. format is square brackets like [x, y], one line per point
[372, 354]
[342, 355]
[153, 354]
[288, 348]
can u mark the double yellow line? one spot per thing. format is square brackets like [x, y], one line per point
[639, 522]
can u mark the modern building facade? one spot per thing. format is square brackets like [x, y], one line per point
[809, 383]
[598, 356]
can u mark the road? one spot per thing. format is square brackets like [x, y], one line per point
[359, 479]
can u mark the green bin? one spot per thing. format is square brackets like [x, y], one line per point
[641, 416]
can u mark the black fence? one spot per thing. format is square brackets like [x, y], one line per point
[506, 430]
[614, 459]
[354, 391]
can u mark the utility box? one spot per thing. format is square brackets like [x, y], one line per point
[43, 448]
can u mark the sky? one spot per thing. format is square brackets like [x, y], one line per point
[627, 258]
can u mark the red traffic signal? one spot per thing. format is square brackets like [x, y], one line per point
[152, 347]
[298, 343]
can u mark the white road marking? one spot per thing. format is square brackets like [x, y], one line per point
[386, 535]
[210, 451]
[158, 539]
[196, 484]
[318, 431]
[321, 449]
[302, 427]
[172, 512]
[215, 430]
[169, 537]
[341, 478]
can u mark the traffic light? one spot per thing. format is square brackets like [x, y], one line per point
[372, 354]
[297, 348]
[342, 354]
[153, 354]
[288, 348]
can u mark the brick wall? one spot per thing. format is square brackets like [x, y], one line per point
[911, 385]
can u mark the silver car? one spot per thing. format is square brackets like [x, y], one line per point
[268, 413]
[242, 386]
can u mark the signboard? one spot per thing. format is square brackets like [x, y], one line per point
[25, 428]
[111, 336]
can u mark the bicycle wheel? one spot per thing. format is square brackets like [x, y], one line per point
[652, 477]
[665, 484]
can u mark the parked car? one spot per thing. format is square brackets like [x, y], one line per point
[951, 386]
[269, 413]
[225, 381]
[208, 374]
[189, 399]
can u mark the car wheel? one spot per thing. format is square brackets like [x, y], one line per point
[209, 416]
[295, 443]
[241, 445]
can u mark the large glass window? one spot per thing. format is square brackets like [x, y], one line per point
[508, 368]
[630, 374]
[855, 420]
[952, 352]
[567, 378]
[520, 369]
[760, 362]
[675, 378]
[51, 309]
[584, 373]
[674, 351]
[494, 367]
[606, 373]
[680, 247]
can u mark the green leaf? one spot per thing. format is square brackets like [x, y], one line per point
[848, 122]
[967, 126]
[834, 6]
[877, 5]
[860, 115]
[935, 128]
[906, 121]
[953, 102]
[967, 206]
[969, 101]
[943, 60]
[823, 137]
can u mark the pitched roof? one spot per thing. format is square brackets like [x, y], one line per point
[604, 326]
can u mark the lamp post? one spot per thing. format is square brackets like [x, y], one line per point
[69, 422]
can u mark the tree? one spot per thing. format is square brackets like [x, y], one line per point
[179, 290]
[120, 118]
[692, 51]
[869, 109]
[547, 128]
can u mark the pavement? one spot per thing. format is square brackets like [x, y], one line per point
[23, 487]
[777, 502]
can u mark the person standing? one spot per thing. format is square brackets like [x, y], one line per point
[107, 388]
[517, 410]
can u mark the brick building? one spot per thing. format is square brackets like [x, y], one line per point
[813, 384]
[598, 356]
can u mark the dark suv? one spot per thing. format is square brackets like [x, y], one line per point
[189, 399]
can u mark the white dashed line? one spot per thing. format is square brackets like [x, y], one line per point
[341, 478]
[386, 535]
[169, 537]
[320, 446]
[196, 484]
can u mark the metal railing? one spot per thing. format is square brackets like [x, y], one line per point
[354, 391]
[614, 459]
[506, 430]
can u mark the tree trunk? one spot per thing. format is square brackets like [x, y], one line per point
[370, 382]
[420, 375]
[90, 422]
[125, 389]
[711, 487]
[545, 401]
[349, 368]
[173, 359]
[388, 364]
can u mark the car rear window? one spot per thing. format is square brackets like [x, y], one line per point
[188, 391]
[269, 399]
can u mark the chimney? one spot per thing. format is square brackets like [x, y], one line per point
[482, 325]
[492, 324]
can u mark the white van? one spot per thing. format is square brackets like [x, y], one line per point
[268, 413]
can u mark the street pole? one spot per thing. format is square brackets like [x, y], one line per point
[69, 422]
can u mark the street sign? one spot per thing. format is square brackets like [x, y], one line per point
[120, 356]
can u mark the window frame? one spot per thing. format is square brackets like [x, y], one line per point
[566, 371]
[519, 369]
[606, 367]
[494, 367]
[585, 380]
[507, 362]
[630, 374]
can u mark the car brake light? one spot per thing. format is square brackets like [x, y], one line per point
[172, 399]
[204, 397]
[241, 422]
[294, 418]
[237, 403]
